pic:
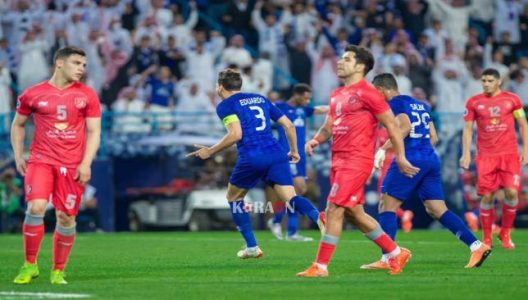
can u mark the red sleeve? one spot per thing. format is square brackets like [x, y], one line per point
[93, 107]
[469, 113]
[517, 104]
[376, 103]
[23, 107]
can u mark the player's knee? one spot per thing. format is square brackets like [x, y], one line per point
[36, 208]
[510, 194]
[487, 199]
[301, 189]
[65, 220]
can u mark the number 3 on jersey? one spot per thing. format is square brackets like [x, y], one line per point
[424, 119]
[260, 115]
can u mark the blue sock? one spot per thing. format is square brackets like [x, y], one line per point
[293, 223]
[243, 222]
[457, 227]
[304, 206]
[279, 215]
[389, 223]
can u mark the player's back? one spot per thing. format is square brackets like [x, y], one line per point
[254, 113]
[418, 142]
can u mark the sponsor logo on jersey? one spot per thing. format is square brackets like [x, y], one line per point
[63, 171]
[480, 106]
[61, 125]
[495, 121]
[80, 102]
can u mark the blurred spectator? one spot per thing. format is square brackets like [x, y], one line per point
[33, 66]
[419, 73]
[473, 84]
[194, 104]
[181, 29]
[506, 47]
[263, 74]
[519, 85]
[236, 54]
[5, 94]
[399, 66]
[11, 211]
[300, 62]
[119, 37]
[173, 56]
[507, 15]
[494, 59]
[89, 218]
[237, 18]
[324, 78]
[128, 109]
[456, 19]
[161, 96]
[144, 55]
[200, 67]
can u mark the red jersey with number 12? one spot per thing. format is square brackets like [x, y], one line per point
[60, 121]
[353, 110]
[495, 122]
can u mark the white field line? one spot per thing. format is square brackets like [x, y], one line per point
[24, 295]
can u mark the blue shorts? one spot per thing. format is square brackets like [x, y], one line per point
[428, 182]
[299, 169]
[273, 169]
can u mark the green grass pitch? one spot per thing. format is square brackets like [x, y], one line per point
[181, 265]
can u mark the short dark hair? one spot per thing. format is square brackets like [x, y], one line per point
[65, 52]
[363, 56]
[230, 79]
[385, 81]
[301, 88]
[491, 72]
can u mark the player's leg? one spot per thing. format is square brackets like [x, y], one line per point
[275, 222]
[299, 184]
[235, 197]
[66, 200]
[329, 240]
[38, 187]
[398, 257]
[487, 184]
[510, 178]
[509, 210]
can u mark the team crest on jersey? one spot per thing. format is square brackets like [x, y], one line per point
[353, 99]
[80, 102]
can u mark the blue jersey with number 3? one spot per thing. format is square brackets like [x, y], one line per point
[254, 113]
[418, 142]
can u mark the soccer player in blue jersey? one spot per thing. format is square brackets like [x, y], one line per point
[247, 118]
[297, 110]
[414, 118]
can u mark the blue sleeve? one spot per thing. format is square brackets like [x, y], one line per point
[225, 109]
[275, 112]
[309, 111]
[397, 107]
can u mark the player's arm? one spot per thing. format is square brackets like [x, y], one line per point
[467, 135]
[93, 140]
[432, 133]
[404, 125]
[291, 135]
[321, 109]
[18, 133]
[233, 135]
[520, 116]
[387, 119]
[323, 134]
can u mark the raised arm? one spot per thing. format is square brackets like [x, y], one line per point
[467, 135]
[18, 132]
[321, 109]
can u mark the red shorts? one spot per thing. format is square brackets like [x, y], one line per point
[43, 181]
[348, 187]
[495, 172]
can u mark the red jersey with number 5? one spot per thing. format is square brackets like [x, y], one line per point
[60, 121]
[353, 110]
[495, 122]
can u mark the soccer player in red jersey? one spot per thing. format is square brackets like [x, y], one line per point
[498, 162]
[405, 216]
[352, 122]
[67, 119]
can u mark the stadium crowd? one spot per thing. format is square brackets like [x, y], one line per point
[163, 55]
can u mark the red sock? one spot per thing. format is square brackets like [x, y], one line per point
[33, 235]
[487, 217]
[324, 254]
[508, 216]
[62, 245]
[399, 213]
[386, 244]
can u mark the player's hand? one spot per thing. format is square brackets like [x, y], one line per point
[524, 159]
[21, 166]
[83, 174]
[294, 157]
[406, 168]
[464, 162]
[203, 152]
[309, 146]
[379, 158]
